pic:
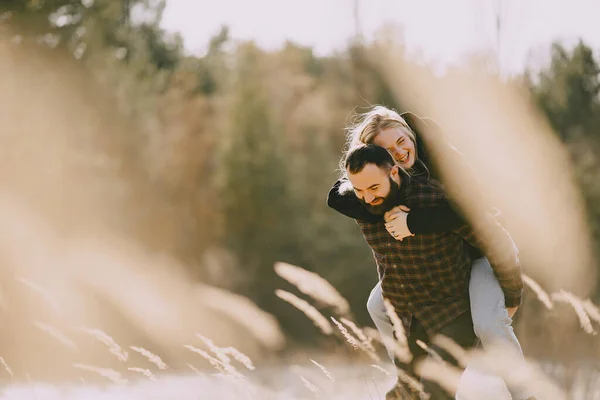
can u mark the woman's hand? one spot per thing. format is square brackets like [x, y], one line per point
[396, 222]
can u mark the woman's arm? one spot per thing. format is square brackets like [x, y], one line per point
[442, 218]
[439, 219]
[347, 203]
[402, 222]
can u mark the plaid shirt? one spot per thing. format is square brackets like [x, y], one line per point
[427, 275]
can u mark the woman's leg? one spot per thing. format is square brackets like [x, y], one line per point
[378, 315]
[490, 318]
[491, 322]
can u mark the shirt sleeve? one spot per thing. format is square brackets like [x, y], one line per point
[439, 219]
[489, 236]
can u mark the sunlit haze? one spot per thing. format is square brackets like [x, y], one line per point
[442, 31]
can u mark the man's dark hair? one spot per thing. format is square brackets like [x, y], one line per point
[357, 158]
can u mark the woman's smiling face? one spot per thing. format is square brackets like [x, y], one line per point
[398, 142]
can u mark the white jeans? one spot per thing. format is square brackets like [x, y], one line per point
[491, 322]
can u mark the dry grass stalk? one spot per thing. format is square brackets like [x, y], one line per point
[537, 289]
[239, 357]
[222, 352]
[403, 354]
[430, 351]
[325, 371]
[220, 366]
[312, 313]
[575, 302]
[381, 369]
[56, 334]
[262, 325]
[109, 373]
[591, 309]
[224, 368]
[6, 367]
[310, 386]
[360, 334]
[446, 375]
[313, 285]
[153, 358]
[103, 337]
[398, 326]
[354, 342]
[508, 365]
[45, 294]
[413, 383]
[372, 333]
[365, 342]
[146, 372]
[215, 349]
[196, 370]
[396, 322]
[454, 349]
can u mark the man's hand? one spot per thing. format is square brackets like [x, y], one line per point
[396, 222]
[512, 311]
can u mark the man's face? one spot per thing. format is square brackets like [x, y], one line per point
[376, 187]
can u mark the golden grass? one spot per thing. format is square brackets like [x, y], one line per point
[496, 361]
[537, 289]
[108, 373]
[313, 285]
[103, 337]
[399, 331]
[6, 367]
[578, 307]
[359, 338]
[325, 371]
[153, 358]
[145, 372]
[56, 334]
[311, 312]
[366, 342]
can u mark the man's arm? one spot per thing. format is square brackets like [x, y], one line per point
[489, 236]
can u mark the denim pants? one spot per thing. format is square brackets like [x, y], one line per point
[491, 322]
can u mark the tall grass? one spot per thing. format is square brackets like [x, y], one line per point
[329, 379]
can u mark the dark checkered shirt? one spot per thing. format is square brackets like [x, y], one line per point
[427, 275]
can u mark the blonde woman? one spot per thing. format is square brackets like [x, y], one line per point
[492, 309]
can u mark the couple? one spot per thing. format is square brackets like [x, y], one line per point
[429, 259]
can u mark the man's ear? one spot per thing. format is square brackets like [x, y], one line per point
[395, 174]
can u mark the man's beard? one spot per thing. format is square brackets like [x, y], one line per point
[388, 203]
